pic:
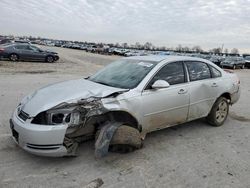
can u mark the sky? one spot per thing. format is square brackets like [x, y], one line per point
[208, 23]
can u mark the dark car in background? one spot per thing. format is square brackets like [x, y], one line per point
[215, 60]
[247, 60]
[233, 62]
[26, 52]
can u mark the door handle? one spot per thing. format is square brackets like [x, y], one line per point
[214, 85]
[182, 91]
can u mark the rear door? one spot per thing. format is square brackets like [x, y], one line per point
[24, 51]
[204, 88]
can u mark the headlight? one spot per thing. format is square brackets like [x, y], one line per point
[63, 116]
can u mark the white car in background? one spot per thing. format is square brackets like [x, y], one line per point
[123, 102]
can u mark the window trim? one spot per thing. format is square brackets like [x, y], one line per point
[23, 47]
[186, 80]
[210, 67]
[189, 79]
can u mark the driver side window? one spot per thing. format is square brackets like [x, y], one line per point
[173, 73]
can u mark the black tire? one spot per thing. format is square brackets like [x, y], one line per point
[13, 57]
[125, 139]
[219, 112]
[50, 59]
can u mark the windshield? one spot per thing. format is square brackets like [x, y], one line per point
[124, 73]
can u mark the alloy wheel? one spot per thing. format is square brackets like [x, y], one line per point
[13, 57]
[221, 112]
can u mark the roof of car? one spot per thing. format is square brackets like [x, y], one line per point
[158, 58]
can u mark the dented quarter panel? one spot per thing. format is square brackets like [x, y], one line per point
[202, 98]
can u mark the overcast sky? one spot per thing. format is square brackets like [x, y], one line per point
[208, 23]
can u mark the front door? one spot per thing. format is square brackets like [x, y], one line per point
[167, 106]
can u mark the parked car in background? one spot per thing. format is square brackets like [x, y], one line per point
[91, 48]
[123, 102]
[27, 52]
[247, 61]
[76, 46]
[83, 47]
[216, 60]
[233, 62]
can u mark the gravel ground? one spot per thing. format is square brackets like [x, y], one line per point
[189, 155]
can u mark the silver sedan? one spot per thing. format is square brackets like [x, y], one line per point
[121, 103]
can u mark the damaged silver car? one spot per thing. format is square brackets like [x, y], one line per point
[121, 103]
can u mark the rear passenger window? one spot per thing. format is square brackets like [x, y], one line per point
[198, 70]
[215, 72]
[21, 47]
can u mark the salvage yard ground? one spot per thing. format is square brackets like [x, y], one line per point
[189, 155]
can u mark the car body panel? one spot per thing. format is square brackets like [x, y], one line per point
[27, 52]
[152, 109]
[65, 92]
[158, 114]
[231, 62]
[40, 135]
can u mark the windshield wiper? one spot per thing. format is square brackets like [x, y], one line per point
[102, 83]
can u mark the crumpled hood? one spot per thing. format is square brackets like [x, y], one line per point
[64, 92]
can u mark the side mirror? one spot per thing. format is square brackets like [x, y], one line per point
[158, 84]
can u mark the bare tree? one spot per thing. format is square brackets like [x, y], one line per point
[216, 50]
[186, 49]
[147, 45]
[179, 48]
[197, 49]
[226, 51]
[162, 48]
[138, 45]
[117, 44]
[125, 45]
[234, 51]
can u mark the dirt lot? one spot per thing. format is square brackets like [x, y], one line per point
[189, 155]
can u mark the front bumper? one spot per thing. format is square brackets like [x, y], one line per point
[43, 140]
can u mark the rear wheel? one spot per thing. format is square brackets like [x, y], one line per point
[13, 57]
[219, 112]
[50, 59]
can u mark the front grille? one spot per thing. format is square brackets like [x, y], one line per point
[43, 147]
[24, 116]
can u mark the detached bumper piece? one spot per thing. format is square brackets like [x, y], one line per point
[104, 138]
